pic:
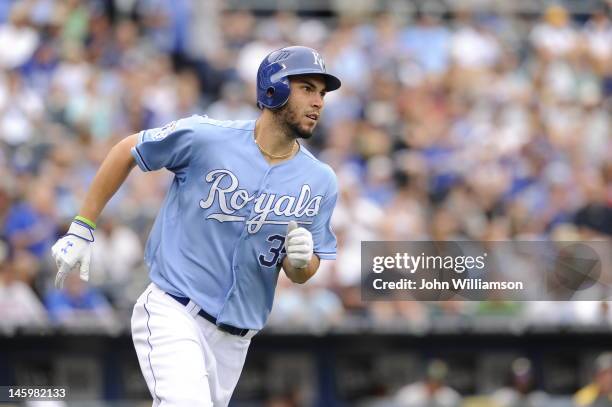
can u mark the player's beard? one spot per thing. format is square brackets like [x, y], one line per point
[290, 121]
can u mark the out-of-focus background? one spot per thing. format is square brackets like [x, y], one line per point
[480, 119]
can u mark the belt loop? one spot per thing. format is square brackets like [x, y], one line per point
[192, 308]
[250, 334]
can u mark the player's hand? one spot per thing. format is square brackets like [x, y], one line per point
[72, 250]
[298, 245]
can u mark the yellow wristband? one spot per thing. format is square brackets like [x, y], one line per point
[86, 221]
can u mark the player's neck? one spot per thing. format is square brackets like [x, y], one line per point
[274, 143]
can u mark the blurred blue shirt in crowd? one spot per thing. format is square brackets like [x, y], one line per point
[63, 304]
[24, 223]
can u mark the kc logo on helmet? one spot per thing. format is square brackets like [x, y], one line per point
[318, 60]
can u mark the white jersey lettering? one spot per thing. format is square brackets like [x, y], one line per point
[232, 199]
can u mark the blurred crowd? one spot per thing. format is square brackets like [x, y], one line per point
[517, 382]
[519, 389]
[464, 125]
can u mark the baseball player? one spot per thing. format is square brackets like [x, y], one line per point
[246, 200]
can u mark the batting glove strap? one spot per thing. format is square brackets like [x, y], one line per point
[81, 230]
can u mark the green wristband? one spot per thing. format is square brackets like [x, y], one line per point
[86, 221]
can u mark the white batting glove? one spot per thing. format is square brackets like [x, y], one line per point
[72, 250]
[298, 245]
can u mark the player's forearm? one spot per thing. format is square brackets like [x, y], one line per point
[301, 275]
[111, 174]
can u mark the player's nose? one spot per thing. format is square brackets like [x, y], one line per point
[317, 101]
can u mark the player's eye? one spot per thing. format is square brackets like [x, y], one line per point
[307, 88]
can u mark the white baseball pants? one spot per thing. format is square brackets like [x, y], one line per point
[185, 360]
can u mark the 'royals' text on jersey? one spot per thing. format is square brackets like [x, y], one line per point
[220, 232]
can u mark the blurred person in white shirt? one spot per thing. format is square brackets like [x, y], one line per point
[431, 391]
[72, 74]
[19, 305]
[597, 34]
[474, 48]
[521, 391]
[356, 219]
[313, 307]
[554, 37]
[21, 109]
[115, 273]
[21, 36]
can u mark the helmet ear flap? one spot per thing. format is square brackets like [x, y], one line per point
[276, 94]
[271, 93]
[281, 93]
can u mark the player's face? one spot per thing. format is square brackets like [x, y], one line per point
[303, 109]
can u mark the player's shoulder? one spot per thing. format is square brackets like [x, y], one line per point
[319, 168]
[204, 122]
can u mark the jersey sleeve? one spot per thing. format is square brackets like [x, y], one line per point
[322, 235]
[165, 147]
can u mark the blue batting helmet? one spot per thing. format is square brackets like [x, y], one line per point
[274, 72]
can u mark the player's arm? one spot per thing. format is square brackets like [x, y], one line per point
[110, 176]
[301, 275]
[74, 249]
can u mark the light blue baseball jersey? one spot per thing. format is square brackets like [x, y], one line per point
[220, 232]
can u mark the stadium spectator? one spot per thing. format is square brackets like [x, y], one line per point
[554, 36]
[324, 307]
[30, 224]
[427, 43]
[521, 392]
[114, 273]
[19, 305]
[431, 391]
[23, 37]
[21, 110]
[232, 103]
[78, 305]
[598, 393]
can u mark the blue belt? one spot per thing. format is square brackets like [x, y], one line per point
[223, 327]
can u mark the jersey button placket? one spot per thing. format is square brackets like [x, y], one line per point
[235, 268]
